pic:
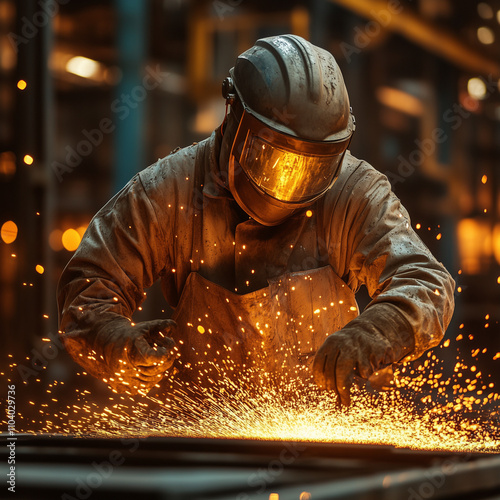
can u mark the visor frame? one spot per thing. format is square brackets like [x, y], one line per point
[251, 126]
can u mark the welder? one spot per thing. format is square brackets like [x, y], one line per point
[261, 236]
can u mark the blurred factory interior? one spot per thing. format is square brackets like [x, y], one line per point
[92, 92]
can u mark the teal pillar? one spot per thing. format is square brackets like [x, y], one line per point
[128, 104]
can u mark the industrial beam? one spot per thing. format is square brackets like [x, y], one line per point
[391, 15]
[131, 42]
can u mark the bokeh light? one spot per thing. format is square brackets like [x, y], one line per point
[476, 88]
[83, 66]
[55, 240]
[28, 159]
[7, 164]
[485, 35]
[484, 10]
[81, 230]
[9, 232]
[71, 239]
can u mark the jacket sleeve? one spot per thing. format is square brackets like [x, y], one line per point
[412, 293]
[119, 256]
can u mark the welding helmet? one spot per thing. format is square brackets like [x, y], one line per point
[294, 126]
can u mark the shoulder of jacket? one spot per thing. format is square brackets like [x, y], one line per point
[358, 174]
[352, 166]
[178, 165]
[357, 178]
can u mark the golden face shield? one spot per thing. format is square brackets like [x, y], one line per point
[292, 171]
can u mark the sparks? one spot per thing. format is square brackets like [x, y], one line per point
[426, 409]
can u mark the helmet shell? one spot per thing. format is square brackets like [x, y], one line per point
[294, 87]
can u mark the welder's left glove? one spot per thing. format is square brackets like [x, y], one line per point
[372, 341]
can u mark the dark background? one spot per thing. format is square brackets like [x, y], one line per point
[88, 119]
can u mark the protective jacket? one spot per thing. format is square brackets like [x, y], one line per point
[257, 289]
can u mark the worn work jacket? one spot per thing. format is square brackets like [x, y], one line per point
[176, 221]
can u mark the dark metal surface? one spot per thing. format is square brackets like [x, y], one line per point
[67, 467]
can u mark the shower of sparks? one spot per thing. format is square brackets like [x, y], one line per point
[432, 405]
[424, 410]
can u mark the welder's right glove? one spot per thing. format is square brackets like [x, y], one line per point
[137, 356]
[372, 341]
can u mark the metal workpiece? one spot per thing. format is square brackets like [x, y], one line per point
[59, 466]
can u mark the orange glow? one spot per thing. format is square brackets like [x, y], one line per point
[81, 230]
[496, 244]
[309, 213]
[39, 269]
[8, 232]
[484, 179]
[28, 159]
[400, 101]
[55, 240]
[21, 84]
[474, 244]
[71, 239]
[7, 164]
[84, 67]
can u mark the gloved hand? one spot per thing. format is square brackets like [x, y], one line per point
[137, 356]
[360, 349]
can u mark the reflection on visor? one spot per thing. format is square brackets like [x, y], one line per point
[287, 175]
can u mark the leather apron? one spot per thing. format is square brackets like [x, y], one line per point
[278, 328]
[275, 329]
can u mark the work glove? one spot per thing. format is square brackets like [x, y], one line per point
[136, 356]
[369, 343]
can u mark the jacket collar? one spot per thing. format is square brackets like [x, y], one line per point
[214, 185]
